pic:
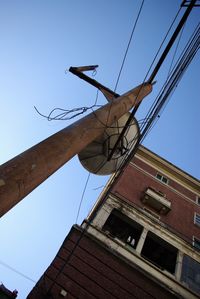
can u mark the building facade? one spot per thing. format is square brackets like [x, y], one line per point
[141, 239]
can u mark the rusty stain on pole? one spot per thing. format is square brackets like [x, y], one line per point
[22, 174]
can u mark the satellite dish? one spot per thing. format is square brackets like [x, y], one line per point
[94, 157]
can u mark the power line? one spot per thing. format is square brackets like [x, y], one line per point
[176, 74]
[65, 114]
[171, 41]
[87, 224]
[129, 42]
[183, 62]
[137, 106]
[121, 68]
[16, 271]
[100, 166]
[169, 86]
[82, 196]
[126, 52]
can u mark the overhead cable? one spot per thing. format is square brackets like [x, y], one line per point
[156, 69]
[168, 88]
[16, 271]
[129, 42]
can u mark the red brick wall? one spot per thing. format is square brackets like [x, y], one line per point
[172, 183]
[132, 185]
[92, 271]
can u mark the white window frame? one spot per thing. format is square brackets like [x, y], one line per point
[197, 219]
[162, 177]
[198, 200]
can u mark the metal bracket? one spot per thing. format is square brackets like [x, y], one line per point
[78, 71]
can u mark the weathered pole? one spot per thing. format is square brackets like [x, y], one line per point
[22, 174]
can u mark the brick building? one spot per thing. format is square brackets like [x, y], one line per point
[6, 293]
[141, 239]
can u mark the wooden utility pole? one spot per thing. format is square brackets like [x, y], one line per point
[22, 174]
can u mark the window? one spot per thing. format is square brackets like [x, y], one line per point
[198, 200]
[190, 273]
[197, 219]
[123, 228]
[196, 243]
[162, 178]
[159, 252]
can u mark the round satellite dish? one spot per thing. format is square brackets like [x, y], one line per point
[94, 157]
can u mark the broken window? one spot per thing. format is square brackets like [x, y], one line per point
[123, 228]
[190, 274]
[159, 252]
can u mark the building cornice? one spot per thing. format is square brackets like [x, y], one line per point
[173, 171]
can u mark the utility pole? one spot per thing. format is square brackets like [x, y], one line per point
[22, 174]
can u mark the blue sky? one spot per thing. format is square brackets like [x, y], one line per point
[39, 41]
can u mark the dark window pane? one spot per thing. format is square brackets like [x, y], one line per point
[162, 178]
[159, 252]
[165, 180]
[122, 227]
[190, 274]
[159, 176]
[196, 243]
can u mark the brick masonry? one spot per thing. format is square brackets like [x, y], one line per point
[86, 269]
[133, 183]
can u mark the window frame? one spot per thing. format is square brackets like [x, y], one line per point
[134, 228]
[197, 217]
[193, 242]
[162, 178]
[152, 238]
[198, 200]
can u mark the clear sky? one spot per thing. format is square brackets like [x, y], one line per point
[40, 39]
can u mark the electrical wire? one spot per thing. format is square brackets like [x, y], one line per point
[82, 110]
[170, 69]
[156, 53]
[153, 107]
[126, 52]
[171, 83]
[82, 196]
[175, 51]
[127, 48]
[152, 63]
[138, 105]
[83, 231]
[62, 114]
[16, 271]
[65, 114]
